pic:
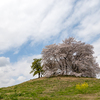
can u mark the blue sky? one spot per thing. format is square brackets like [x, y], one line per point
[27, 26]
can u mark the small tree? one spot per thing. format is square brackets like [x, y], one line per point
[37, 68]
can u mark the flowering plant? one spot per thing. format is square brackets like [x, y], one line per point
[82, 87]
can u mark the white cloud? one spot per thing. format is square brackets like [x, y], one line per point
[37, 20]
[18, 72]
[30, 20]
[21, 78]
[83, 20]
[96, 45]
[4, 61]
[24, 20]
[88, 17]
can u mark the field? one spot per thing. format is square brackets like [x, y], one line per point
[54, 88]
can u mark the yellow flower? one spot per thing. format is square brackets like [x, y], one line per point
[81, 86]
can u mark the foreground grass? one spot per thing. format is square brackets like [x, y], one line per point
[55, 88]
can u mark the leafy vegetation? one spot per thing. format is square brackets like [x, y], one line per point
[37, 68]
[54, 88]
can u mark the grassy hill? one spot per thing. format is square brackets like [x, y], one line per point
[55, 88]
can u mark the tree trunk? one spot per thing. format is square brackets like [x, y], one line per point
[41, 75]
[66, 70]
[38, 75]
[58, 63]
[66, 65]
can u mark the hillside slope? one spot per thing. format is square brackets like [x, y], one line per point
[55, 88]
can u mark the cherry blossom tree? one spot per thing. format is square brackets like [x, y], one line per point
[70, 57]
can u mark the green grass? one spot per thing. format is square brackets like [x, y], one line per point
[54, 88]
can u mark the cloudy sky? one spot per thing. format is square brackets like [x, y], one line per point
[27, 26]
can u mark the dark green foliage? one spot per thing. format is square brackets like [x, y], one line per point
[37, 68]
